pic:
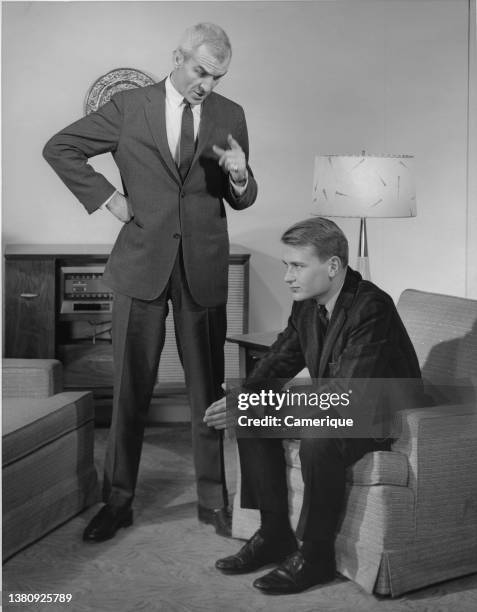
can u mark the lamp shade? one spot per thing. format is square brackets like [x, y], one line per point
[364, 186]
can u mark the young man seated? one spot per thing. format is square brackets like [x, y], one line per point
[340, 327]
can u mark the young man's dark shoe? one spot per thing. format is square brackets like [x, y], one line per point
[256, 553]
[296, 574]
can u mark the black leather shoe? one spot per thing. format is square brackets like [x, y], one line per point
[256, 553]
[220, 518]
[295, 575]
[106, 522]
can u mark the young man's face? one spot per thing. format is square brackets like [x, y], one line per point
[195, 76]
[306, 275]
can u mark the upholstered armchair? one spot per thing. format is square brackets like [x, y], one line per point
[410, 516]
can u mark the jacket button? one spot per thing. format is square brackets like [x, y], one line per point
[182, 194]
[176, 235]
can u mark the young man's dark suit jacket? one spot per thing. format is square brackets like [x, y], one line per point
[365, 339]
[179, 228]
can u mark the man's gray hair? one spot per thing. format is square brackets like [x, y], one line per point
[209, 34]
[322, 234]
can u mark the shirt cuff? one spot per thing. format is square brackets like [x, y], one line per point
[103, 205]
[239, 189]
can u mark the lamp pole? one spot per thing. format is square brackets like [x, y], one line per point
[363, 259]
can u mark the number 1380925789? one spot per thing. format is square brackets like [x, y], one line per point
[40, 597]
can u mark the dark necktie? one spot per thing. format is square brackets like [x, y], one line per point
[323, 317]
[186, 145]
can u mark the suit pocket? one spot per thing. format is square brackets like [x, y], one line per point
[362, 360]
[360, 351]
[130, 237]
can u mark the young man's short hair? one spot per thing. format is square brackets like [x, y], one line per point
[322, 234]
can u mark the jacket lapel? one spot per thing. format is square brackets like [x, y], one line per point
[338, 318]
[155, 110]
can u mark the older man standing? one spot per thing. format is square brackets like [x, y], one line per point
[181, 150]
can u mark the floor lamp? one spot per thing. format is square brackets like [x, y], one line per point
[364, 186]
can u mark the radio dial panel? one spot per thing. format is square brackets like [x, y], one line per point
[83, 291]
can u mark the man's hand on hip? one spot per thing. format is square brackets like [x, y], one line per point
[119, 207]
[232, 160]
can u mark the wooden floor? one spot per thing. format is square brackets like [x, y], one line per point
[165, 561]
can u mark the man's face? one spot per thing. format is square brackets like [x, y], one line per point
[306, 275]
[195, 76]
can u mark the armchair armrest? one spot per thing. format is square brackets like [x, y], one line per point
[34, 378]
[441, 445]
[416, 421]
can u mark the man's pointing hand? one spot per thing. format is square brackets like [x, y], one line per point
[232, 160]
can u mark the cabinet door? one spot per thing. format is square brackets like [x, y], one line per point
[30, 308]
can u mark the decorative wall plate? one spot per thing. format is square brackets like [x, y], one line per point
[110, 83]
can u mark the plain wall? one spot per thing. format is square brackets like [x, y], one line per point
[385, 76]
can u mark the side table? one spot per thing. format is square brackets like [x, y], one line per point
[251, 348]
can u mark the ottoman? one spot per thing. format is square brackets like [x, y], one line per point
[47, 451]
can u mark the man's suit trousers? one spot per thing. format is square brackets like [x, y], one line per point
[323, 465]
[138, 339]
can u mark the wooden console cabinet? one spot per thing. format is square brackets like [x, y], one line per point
[34, 327]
